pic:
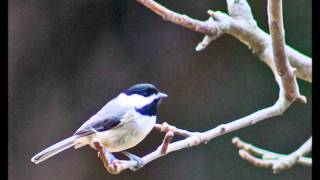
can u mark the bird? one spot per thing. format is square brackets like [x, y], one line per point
[120, 124]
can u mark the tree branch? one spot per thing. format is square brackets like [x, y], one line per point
[284, 69]
[267, 159]
[240, 24]
[197, 138]
[176, 18]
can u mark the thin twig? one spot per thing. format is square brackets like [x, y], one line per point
[183, 20]
[255, 161]
[268, 159]
[165, 127]
[166, 141]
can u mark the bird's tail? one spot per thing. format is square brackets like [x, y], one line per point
[54, 149]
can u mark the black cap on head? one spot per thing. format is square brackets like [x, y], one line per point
[142, 89]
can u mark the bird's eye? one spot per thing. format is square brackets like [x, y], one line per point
[145, 94]
[148, 92]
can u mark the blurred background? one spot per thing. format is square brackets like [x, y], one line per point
[68, 58]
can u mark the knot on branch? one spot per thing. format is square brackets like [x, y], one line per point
[167, 127]
[196, 139]
[222, 128]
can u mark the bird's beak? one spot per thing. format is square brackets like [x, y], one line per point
[162, 95]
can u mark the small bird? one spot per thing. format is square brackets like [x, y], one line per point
[121, 124]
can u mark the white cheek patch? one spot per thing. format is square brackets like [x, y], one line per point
[135, 100]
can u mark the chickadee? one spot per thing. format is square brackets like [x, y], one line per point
[121, 124]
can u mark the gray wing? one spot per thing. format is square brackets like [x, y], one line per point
[107, 118]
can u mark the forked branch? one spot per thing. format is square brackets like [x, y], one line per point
[239, 22]
[275, 161]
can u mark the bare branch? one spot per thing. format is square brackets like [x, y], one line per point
[240, 24]
[287, 162]
[284, 69]
[165, 127]
[255, 161]
[275, 161]
[197, 138]
[182, 20]
[166, 141]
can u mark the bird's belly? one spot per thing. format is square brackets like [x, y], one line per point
[127, 135]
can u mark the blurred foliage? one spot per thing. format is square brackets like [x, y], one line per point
[68, 58]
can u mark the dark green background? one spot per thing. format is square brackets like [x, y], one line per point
[67, 58]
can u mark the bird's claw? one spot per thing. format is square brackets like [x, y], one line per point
[111, 163]
[110, 157]
[132, 157]
[107, 158]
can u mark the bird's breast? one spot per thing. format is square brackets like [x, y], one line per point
[128, 134]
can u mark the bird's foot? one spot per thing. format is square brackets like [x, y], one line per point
[133, 157]
[107, 158]
[110, 157]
